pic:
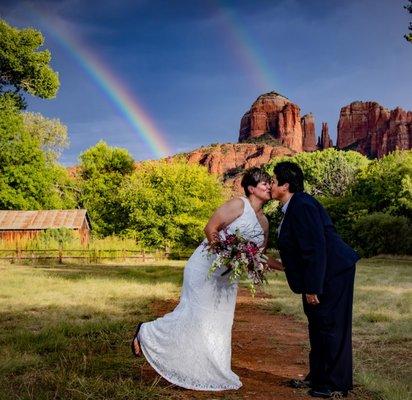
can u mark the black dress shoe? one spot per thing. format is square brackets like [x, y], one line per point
[300, 383]
[327, 393]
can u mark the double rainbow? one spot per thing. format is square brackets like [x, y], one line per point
[128, 105]
[246, 48]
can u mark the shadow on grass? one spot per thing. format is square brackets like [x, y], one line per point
[78, 348]
[160, 273]
[71, 353]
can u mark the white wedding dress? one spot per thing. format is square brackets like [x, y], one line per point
[191, 346]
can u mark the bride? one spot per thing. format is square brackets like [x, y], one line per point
[191, 346]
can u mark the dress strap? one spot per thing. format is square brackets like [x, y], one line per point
[246, 203]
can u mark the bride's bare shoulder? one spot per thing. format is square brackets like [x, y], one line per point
[235, 203]
[232, 209]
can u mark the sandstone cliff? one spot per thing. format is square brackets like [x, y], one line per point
[231, 159]
[373, 130]
[275, 116]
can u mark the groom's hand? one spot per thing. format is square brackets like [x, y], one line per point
[274, 264]
[312, 299]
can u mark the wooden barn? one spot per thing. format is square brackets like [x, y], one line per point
[16, 225]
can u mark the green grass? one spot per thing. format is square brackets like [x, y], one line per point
[382, 323]
[65, 331]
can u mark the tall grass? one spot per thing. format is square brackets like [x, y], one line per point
[63, 245]
[47, 241]
[382, 323]
[65, 332]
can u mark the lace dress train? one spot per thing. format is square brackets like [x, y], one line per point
[191, 346]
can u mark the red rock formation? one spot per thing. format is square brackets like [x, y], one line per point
[224, 159]
[308, 131]
[231, 159]
[373, 130]
[276, 116]
[325, 142]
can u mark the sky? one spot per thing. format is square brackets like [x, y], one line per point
[160, 77]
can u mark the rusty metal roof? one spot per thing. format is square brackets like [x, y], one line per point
[42, 219]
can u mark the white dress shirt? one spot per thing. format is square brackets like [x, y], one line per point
[284, 208]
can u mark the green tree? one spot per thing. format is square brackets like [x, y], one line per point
[408, 7]
[101, 174]
[328, 173]
[51, 133]
[386, 184]
[383, 187]
[169, 203]
[23, 68]
[27, 180]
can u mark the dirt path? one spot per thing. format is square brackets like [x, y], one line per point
[268, 350]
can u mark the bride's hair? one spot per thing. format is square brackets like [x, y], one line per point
[252, 177]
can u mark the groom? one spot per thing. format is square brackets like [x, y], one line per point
[320, 266]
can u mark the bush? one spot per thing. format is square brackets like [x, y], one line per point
[168, 204]
[381, 233]
[54, 238]
[386, 184]
[329, 172]
[344, 212]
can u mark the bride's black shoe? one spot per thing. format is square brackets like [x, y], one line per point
[136, 340]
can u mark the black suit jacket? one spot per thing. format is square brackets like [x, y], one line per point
[311, 250]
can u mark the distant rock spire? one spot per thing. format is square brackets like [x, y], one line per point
[325, 142]
[308, 132]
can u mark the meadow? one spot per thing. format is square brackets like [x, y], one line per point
[382, 324]
[65, 329]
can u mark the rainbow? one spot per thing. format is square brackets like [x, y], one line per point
[247, 49]
[109, 83]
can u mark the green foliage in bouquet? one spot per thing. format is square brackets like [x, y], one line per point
[169, 203]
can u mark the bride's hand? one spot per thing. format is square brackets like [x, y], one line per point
[214, 239]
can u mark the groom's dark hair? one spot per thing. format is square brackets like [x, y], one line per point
[289, 172]
[252, 177]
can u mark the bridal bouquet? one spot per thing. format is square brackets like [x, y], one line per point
[242, 259]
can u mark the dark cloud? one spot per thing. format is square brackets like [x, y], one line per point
[193, 65]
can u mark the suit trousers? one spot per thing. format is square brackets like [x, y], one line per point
[330, 334]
